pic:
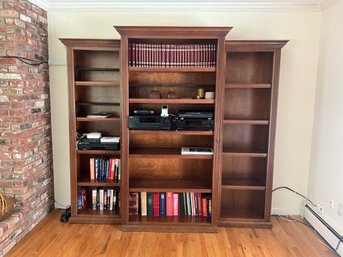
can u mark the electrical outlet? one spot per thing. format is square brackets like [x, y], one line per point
[340, 209]
[320, 208]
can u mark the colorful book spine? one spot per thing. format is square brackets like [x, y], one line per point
[175, 204]
[156, 207]
[143, 204]
[150, 203]
[163, 204]
[169, 204]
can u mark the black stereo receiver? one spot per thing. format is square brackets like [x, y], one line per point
[194, 124]
[149, 122]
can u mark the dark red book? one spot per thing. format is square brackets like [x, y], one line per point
[156, 204]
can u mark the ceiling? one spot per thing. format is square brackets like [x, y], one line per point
[312, 5]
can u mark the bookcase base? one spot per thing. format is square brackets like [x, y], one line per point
[163, 228]
[85, 219]
[245, 224]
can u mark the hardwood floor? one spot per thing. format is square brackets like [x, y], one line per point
[53, 238]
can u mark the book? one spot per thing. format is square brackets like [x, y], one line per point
[192, 203]
[199, 205]
[111, 199]
[94, 196]
[156, 205]
[188, 200]
[91, 169]
[169, 204]
[101, 199]
[143, 204]
[150, 203]
[181, 204]
[133, 203]
[197, 150]
[163, 204]
[175, 204]
[204, 207]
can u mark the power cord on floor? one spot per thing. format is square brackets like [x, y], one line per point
[291, 219]
[290, 189]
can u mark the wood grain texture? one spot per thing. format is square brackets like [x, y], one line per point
[53, 238]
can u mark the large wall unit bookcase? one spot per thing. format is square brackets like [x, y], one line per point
[230, 187]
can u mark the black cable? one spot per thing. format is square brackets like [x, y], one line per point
[290, 189]
[24, 60]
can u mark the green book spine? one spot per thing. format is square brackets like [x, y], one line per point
[181, 204]
[150, 203]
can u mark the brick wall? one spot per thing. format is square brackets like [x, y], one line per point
[25, 127]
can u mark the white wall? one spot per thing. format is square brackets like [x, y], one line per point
[297, 80]
[326, 169]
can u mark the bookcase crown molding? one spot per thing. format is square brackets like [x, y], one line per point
[302, 5]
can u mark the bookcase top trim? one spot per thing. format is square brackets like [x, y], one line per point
[259, 45]
[172, 32]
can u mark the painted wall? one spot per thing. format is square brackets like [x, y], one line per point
[326, 169]
[297, 80]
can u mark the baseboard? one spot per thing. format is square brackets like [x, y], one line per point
[329, 234]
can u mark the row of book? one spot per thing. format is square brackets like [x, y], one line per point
[172, 55]
[101, 199]
[104, 168]
[170, 204]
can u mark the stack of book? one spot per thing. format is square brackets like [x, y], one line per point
[104, 168]
[172, 55]
[156, 204]
[102, 199]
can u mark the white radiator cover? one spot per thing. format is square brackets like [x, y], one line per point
[327, 232]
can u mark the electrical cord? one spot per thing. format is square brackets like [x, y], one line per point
[290, 189]
[24, 60]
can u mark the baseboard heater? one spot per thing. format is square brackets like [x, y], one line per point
[329, 234]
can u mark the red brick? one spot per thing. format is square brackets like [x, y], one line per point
[8, 13]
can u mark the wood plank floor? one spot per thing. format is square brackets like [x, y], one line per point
[53, 238]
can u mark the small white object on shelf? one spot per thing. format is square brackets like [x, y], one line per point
[109, 140]
[93, 135]
[197, 150]
[98, 115]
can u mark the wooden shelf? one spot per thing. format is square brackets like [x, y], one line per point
[170, 185]
[99, 152]
[244, 153]
[247, 122]
[169, 220]
[171, 132]
[96, 84]
[98, 212]
[96, 183]
[247, 86]
[243, 184]
[95, 69]
[170, 101]
[172, 69]
[85, 119]
[164, 153]
[98, 103]
[241, 214]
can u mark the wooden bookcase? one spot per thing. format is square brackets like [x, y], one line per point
[103, 77]
[153, 158]
[249, 116]
[94, 87]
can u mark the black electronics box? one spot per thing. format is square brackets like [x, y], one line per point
[196, 114]
[149, 122]
[193, 124]
[86, 145]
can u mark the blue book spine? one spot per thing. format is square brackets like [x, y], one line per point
[162, 204]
